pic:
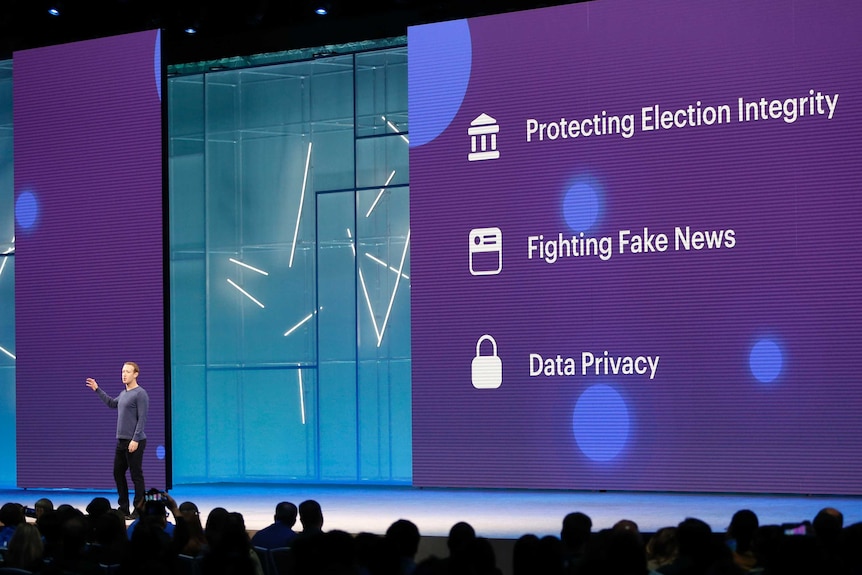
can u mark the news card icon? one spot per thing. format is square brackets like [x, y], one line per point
[486, 251]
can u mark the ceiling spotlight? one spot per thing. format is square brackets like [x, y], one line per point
[54, 10]
[321, 10]
[191, 29]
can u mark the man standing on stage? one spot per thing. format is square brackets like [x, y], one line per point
[132, 405]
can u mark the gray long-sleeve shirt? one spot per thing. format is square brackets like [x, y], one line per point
[132, 406]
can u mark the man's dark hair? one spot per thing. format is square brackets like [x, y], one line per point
[742, 526]
[310, 515]
[404, 537]
[44, 504]
[576, 529]
[11, 514]
[285, 512]
[98, 506]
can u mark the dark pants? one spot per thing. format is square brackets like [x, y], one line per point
[124, 460]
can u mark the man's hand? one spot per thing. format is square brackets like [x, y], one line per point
[133, 445]
[91, 383]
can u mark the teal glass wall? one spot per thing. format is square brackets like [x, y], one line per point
[7, 285]
[290, 271]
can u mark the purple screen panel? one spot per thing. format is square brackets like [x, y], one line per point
[635, 256]
[88, 261]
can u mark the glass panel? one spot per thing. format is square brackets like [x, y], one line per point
[381, 161]
[8, 470]
[381, 95]
[188, 278]
[337, 322]
[189, 426]
[383, 250]
[278, 263]
[285, 450]
[223, 424]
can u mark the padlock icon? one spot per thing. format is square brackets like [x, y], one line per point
[487, 370]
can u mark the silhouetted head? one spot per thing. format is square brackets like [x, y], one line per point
[44, 504]
[311, 515]
[695, 539]
[742, 526]
[828, 524]
[576, 529]
[285, 512]
[98, 507]
[404, 536]
[11, 514]
[461, 536]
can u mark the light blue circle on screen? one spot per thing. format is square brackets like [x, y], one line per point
[160, 451]
[582, 204]
[765, 360]
[26, 210]
[439, 60]
[601, 422]
[157, 62]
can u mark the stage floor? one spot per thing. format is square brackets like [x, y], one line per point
[496, 514]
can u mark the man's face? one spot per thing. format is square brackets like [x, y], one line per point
[129, 374]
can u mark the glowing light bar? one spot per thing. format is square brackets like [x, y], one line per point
[370, 308]
[7, 352]
[297, 326]
[395, 129]
[301, 396]
[394, 291]
[383, 189]
[245, 293]
[245, 265]
[384, 264]
[301, 201]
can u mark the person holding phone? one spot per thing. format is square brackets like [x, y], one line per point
[132, 405]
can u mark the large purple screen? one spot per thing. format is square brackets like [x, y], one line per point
[635, 247]
[88, 259]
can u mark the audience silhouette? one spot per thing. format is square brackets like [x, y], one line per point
[65, 541]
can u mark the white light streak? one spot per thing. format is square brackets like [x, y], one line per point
[301, 201]
[7, 352]
[384, 264]
[395, 129]
[301, 396]
[9, 250]
[245, 265]
[370, 309]
[352, 245]
[302, 321]
[383, 189]
[245, 293]
[394, 291]
[297, 326]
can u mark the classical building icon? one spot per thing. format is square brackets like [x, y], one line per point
[483, 138]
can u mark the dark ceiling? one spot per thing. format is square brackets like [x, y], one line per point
[230, 27]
